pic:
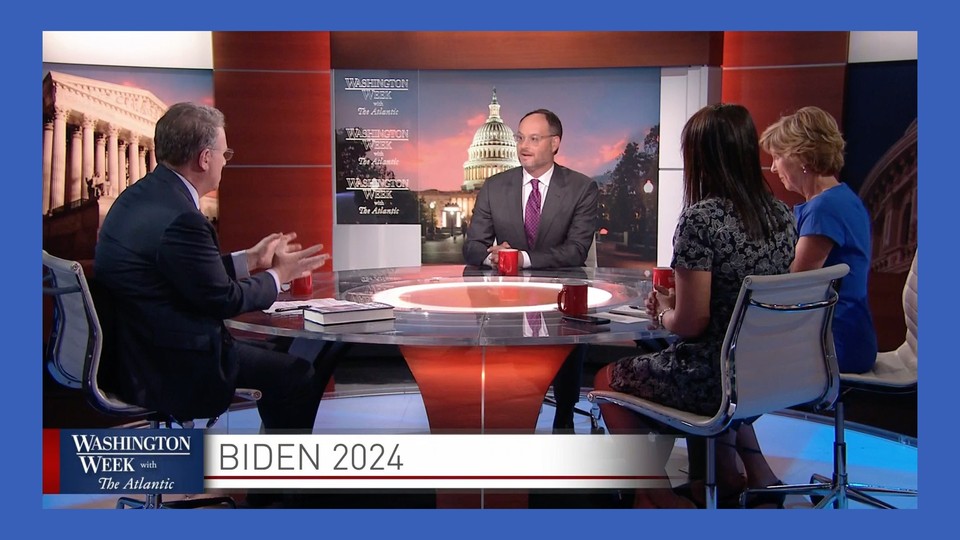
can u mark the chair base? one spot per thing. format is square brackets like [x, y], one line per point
[837, 491]
[594, 415]
[151, 502]
[828, 493]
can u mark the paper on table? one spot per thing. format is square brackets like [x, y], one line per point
[631, 311]
[625, 319]
[295, 307]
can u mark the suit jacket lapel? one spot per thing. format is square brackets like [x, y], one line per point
[514, 205]
[554, 202]
[174, 183]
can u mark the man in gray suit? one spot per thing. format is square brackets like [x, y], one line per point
[568, 211]
[555, 233]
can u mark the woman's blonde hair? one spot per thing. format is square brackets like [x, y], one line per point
[811, 135]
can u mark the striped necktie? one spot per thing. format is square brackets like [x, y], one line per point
[535, 322]
[531, 216]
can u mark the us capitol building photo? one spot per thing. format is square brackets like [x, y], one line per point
[492, 151]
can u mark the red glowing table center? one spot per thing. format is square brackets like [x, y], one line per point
[484, 388]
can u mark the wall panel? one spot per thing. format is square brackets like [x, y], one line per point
[752, 49]
[308, 51]
[258, 201]
[522, 50]
[276, 118]
[770, 93]
[274, 88]
[775, 73]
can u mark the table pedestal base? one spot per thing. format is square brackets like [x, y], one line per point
[492, 389]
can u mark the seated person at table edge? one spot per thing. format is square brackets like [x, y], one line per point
[731, 226]
[833, 227]
[159, 260]
[833, 224]
[549, 213]
[568, 207]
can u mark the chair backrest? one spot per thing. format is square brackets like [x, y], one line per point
[74, 335]
[74, 351]
[895, 370]
[778, 351]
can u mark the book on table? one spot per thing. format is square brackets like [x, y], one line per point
[342, 311]
[363, 327]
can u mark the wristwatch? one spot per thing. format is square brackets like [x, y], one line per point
[660, 316]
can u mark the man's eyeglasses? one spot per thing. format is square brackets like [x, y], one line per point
[532, 139]
[227, 153]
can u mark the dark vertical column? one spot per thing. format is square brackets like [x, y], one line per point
[775, 73]
[274, 88]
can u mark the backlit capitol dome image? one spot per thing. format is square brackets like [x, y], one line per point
[493, 150]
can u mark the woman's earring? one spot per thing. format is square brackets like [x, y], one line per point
[804, 168]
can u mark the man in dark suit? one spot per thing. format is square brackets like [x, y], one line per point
[159, 259]
[555, 233]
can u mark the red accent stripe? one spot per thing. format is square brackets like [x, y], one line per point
[431, 477]
[51, 461]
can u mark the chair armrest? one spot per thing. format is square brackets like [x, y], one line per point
[687, 422]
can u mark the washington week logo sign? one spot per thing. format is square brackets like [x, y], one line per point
[131, 461]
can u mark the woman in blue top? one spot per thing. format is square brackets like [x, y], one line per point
[833, 224]
[834, 227]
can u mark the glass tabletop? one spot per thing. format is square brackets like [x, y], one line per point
[453, 305]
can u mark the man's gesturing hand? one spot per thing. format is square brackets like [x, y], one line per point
[291, 262]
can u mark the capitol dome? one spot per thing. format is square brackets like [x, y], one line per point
[493, 150]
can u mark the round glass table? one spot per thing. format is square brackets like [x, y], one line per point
[446, 305]
[483, 348]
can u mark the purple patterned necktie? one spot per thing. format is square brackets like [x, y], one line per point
[535, 322]
[531, 217]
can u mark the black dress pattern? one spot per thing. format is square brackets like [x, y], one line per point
[709, 236]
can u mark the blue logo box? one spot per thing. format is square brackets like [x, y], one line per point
[131, 461]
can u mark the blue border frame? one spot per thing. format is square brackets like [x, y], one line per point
[21, 449]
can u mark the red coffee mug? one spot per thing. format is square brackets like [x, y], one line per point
[509, 261]
[663, 277]
[302, 286]
[572, 298]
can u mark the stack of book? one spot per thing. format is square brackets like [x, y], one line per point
[342, 311]
[364, 327]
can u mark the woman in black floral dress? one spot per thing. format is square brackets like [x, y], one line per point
[731, 226]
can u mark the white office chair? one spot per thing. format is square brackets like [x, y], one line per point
[73, 358]
[778, 352]
[894, 372]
